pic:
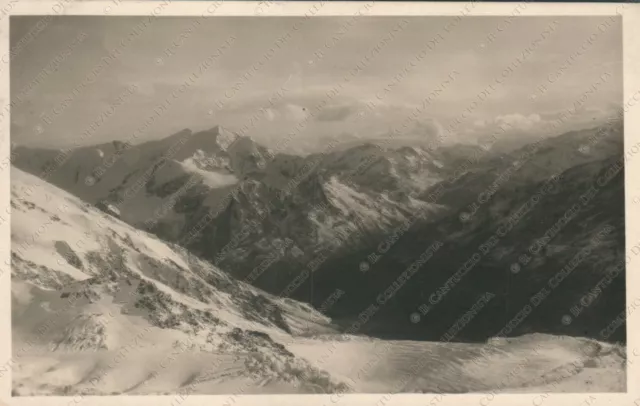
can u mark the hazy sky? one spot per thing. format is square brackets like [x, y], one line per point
[463, 57]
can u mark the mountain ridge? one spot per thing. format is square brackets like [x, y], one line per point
[322, 207]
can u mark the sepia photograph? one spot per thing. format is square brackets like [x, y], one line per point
[312, 204]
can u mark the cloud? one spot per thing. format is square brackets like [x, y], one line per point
[285, 113]
[335, 113]
[429, 129]
[480, 123]
[270, 114]
[518, 121]
[513, 123]
[144, 88]
[287, 88]
[294, 112]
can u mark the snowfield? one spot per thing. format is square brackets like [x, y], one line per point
[99, 307]
[534, 363]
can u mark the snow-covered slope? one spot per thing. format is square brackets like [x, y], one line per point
[134, 178]
[533, 363]
[84, 282]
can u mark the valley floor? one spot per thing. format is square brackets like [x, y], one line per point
[535, 363]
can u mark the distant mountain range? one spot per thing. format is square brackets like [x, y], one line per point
[357, 218]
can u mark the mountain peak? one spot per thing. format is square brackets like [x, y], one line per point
[224, 136]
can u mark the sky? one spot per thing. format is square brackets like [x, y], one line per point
[311, 80]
